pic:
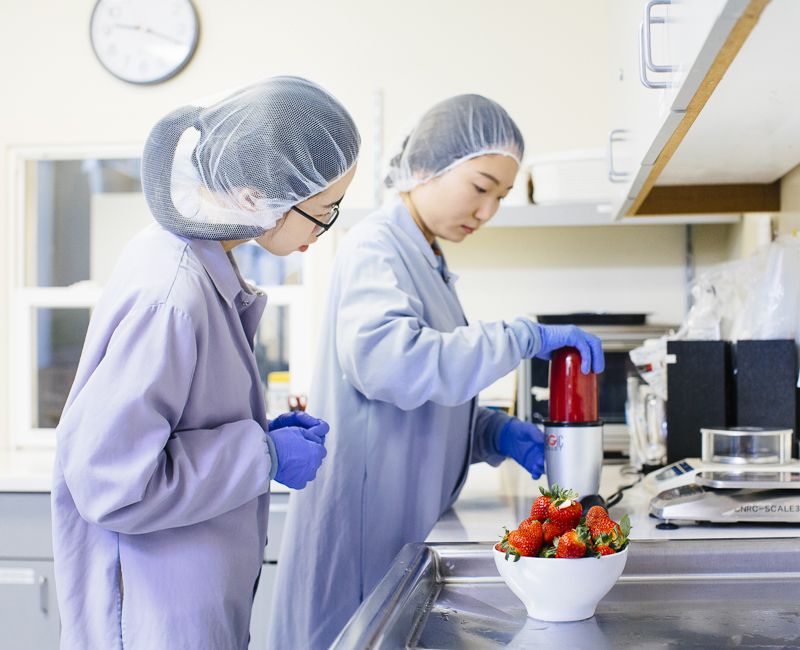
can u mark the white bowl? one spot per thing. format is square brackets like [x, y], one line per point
[555, 589]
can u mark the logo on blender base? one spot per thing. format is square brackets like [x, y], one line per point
[554, 441]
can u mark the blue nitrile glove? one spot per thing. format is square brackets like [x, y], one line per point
[560, 336]
[314, 428]
[524, 442]
[298, 457]
[541, 341]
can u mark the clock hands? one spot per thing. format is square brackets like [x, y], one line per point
[147, 30]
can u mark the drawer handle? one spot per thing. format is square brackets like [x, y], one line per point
[646, 47]
[43, 600]
[649, 19]
[616, 135]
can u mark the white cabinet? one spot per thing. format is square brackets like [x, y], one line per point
[749, 129]
[660, 51]
[28, 610]
[28, 606]
[691, 36]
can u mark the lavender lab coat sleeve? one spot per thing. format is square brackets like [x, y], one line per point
[127, 468]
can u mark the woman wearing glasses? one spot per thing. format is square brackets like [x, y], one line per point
[399, 371]
[165, 456]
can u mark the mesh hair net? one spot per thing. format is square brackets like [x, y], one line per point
[454, 130]
[230, 169]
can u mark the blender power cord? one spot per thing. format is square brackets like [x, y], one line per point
[615, 498]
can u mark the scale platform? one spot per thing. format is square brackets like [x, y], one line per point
[697, 491]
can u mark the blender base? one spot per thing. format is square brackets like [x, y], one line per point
[591, 500]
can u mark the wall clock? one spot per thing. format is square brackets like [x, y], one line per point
[144, 41]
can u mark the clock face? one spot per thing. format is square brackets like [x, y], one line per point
[144, 41]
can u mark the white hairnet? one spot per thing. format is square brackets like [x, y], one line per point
[454, 130]
[232, 168]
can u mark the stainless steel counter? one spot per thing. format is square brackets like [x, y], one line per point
[680, 593]
[480, 516]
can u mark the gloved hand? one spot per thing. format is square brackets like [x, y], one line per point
[560, 336]
[313, 428]
[524, 442]
[298, 457]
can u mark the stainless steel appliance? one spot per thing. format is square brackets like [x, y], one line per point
[620, 333]
[746, 474]
[573, 434]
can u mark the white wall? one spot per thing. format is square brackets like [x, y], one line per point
[507, 272]
[545, 61]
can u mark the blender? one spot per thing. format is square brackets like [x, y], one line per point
[573, 435]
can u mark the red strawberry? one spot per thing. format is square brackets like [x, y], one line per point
[573, 543]
[528, 523]
[564, 510]
[526, 542]
[603, 526]
[606, 532]
[569, 546]
[499, 547]
[596, 512]
[533, 529]
[540, 505]
[604, 550]
[551, 530]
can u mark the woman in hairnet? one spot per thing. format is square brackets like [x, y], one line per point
[399, 371]
[165, 455]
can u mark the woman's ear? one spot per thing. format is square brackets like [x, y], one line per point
[264, 239]
[248, 198]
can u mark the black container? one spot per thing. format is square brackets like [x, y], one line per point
[583, 318]
[765, 385]
[714, 384]
[699, 385]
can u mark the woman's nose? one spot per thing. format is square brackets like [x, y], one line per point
[486, 211]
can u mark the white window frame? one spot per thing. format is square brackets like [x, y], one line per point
[24, 304]
[24, 300]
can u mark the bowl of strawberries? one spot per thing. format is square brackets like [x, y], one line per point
[560, 562]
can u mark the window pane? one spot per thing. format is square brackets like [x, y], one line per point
[67, 202]
[272, 357]
[263, 269]
[58, 343]
[272, 341]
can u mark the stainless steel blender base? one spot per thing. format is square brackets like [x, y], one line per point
[573, 455]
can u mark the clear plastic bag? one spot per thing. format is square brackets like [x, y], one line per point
[771, 309]
[756, 298]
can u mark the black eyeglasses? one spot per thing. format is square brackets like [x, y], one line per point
[321, 227]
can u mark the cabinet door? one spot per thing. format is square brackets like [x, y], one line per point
[262, 604]
[695, 31]
[660, 51]
[636, 111]
[28, 609]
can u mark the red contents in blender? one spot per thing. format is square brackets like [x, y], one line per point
[573, 395]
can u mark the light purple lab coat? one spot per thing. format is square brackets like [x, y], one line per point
[396, 379]
[161, 484]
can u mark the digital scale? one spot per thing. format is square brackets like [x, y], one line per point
[746, 475]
